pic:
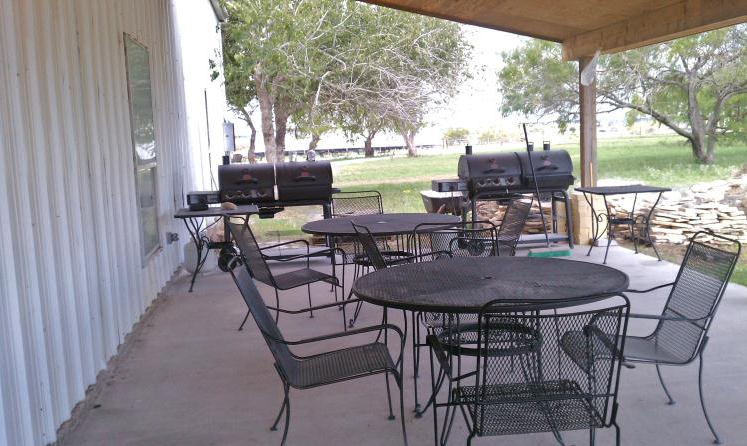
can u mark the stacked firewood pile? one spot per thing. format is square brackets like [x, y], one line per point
[493, 212]
[718, 206]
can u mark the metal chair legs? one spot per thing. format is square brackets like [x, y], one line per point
[388, 396]
[284, 408]
[661, 380]
[241, 327]
[716, 440]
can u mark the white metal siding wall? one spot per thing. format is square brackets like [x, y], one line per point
[71, 279]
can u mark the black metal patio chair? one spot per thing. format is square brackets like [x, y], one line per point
[256, 261]
[512, 225]
[377, 258]
[681, 335]
[330, 367]
[535, 370]
[351, 204]
[433, 242]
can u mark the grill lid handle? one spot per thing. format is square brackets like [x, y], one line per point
[247, 181]
[305, 178]
[548, 167]
[494, 170]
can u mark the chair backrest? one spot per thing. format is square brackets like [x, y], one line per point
[513, 222]
[543, 371]
[370, 247]
[283, 357]
[249, 248]
[475, 239]
[696, 294]
[347, 204]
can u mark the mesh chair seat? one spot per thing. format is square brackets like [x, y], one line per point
[341, 365]
[301, 277]
[647, 349]
[521, 408]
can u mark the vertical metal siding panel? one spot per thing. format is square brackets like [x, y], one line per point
[63, 301]
[40, 166]
[106, 252]
[15, 385]
[34, 316]
[84, 299]
[83, 150]
[65, 132]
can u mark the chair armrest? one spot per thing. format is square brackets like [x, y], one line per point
[306, 242]
[650, 289]
[661, 317]
[417, 256]
[317, 307]
[348, 333]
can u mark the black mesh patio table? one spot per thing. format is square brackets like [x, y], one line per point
[630, 220]
[464, 285]
[378, 224]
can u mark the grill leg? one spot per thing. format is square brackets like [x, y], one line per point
[241, 327]
[716, 440]
[661, 380]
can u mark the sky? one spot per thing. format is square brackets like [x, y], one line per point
[474, 107]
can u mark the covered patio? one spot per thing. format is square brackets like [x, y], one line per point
[188, 377]
[100, 342]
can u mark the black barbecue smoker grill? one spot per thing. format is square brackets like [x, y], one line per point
[500, 176]
[273, 186]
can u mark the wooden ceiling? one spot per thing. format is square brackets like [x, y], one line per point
[583, 26]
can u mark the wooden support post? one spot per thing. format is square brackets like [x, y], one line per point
[588, 110]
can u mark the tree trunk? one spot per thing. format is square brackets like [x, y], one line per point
[697, 125]
[315, 137]
[266, 109]
[253, 138]
[409, 137]
[252, 144]
[281, 127]
[368, 146]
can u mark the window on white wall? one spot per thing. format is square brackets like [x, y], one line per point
[143, 143]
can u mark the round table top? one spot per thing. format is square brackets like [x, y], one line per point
[378, 224]
[465, 284]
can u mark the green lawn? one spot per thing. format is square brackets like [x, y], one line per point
[664, 161]
[660, 161]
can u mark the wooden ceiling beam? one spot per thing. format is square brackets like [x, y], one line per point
[529, 27]
[670, 22]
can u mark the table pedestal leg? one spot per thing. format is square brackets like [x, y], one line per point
[596, 223]
[194, 226]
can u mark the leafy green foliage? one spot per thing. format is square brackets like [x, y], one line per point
[338, 63]
[456, 135]
[697, 85]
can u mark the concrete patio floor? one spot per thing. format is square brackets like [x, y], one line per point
[189, 378]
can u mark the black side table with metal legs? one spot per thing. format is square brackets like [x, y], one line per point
[195, 223]
[632, 221]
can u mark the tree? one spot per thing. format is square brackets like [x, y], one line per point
[456, 135]
[325, 63]
[696, 85]
[284, 48]
[402, 66]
